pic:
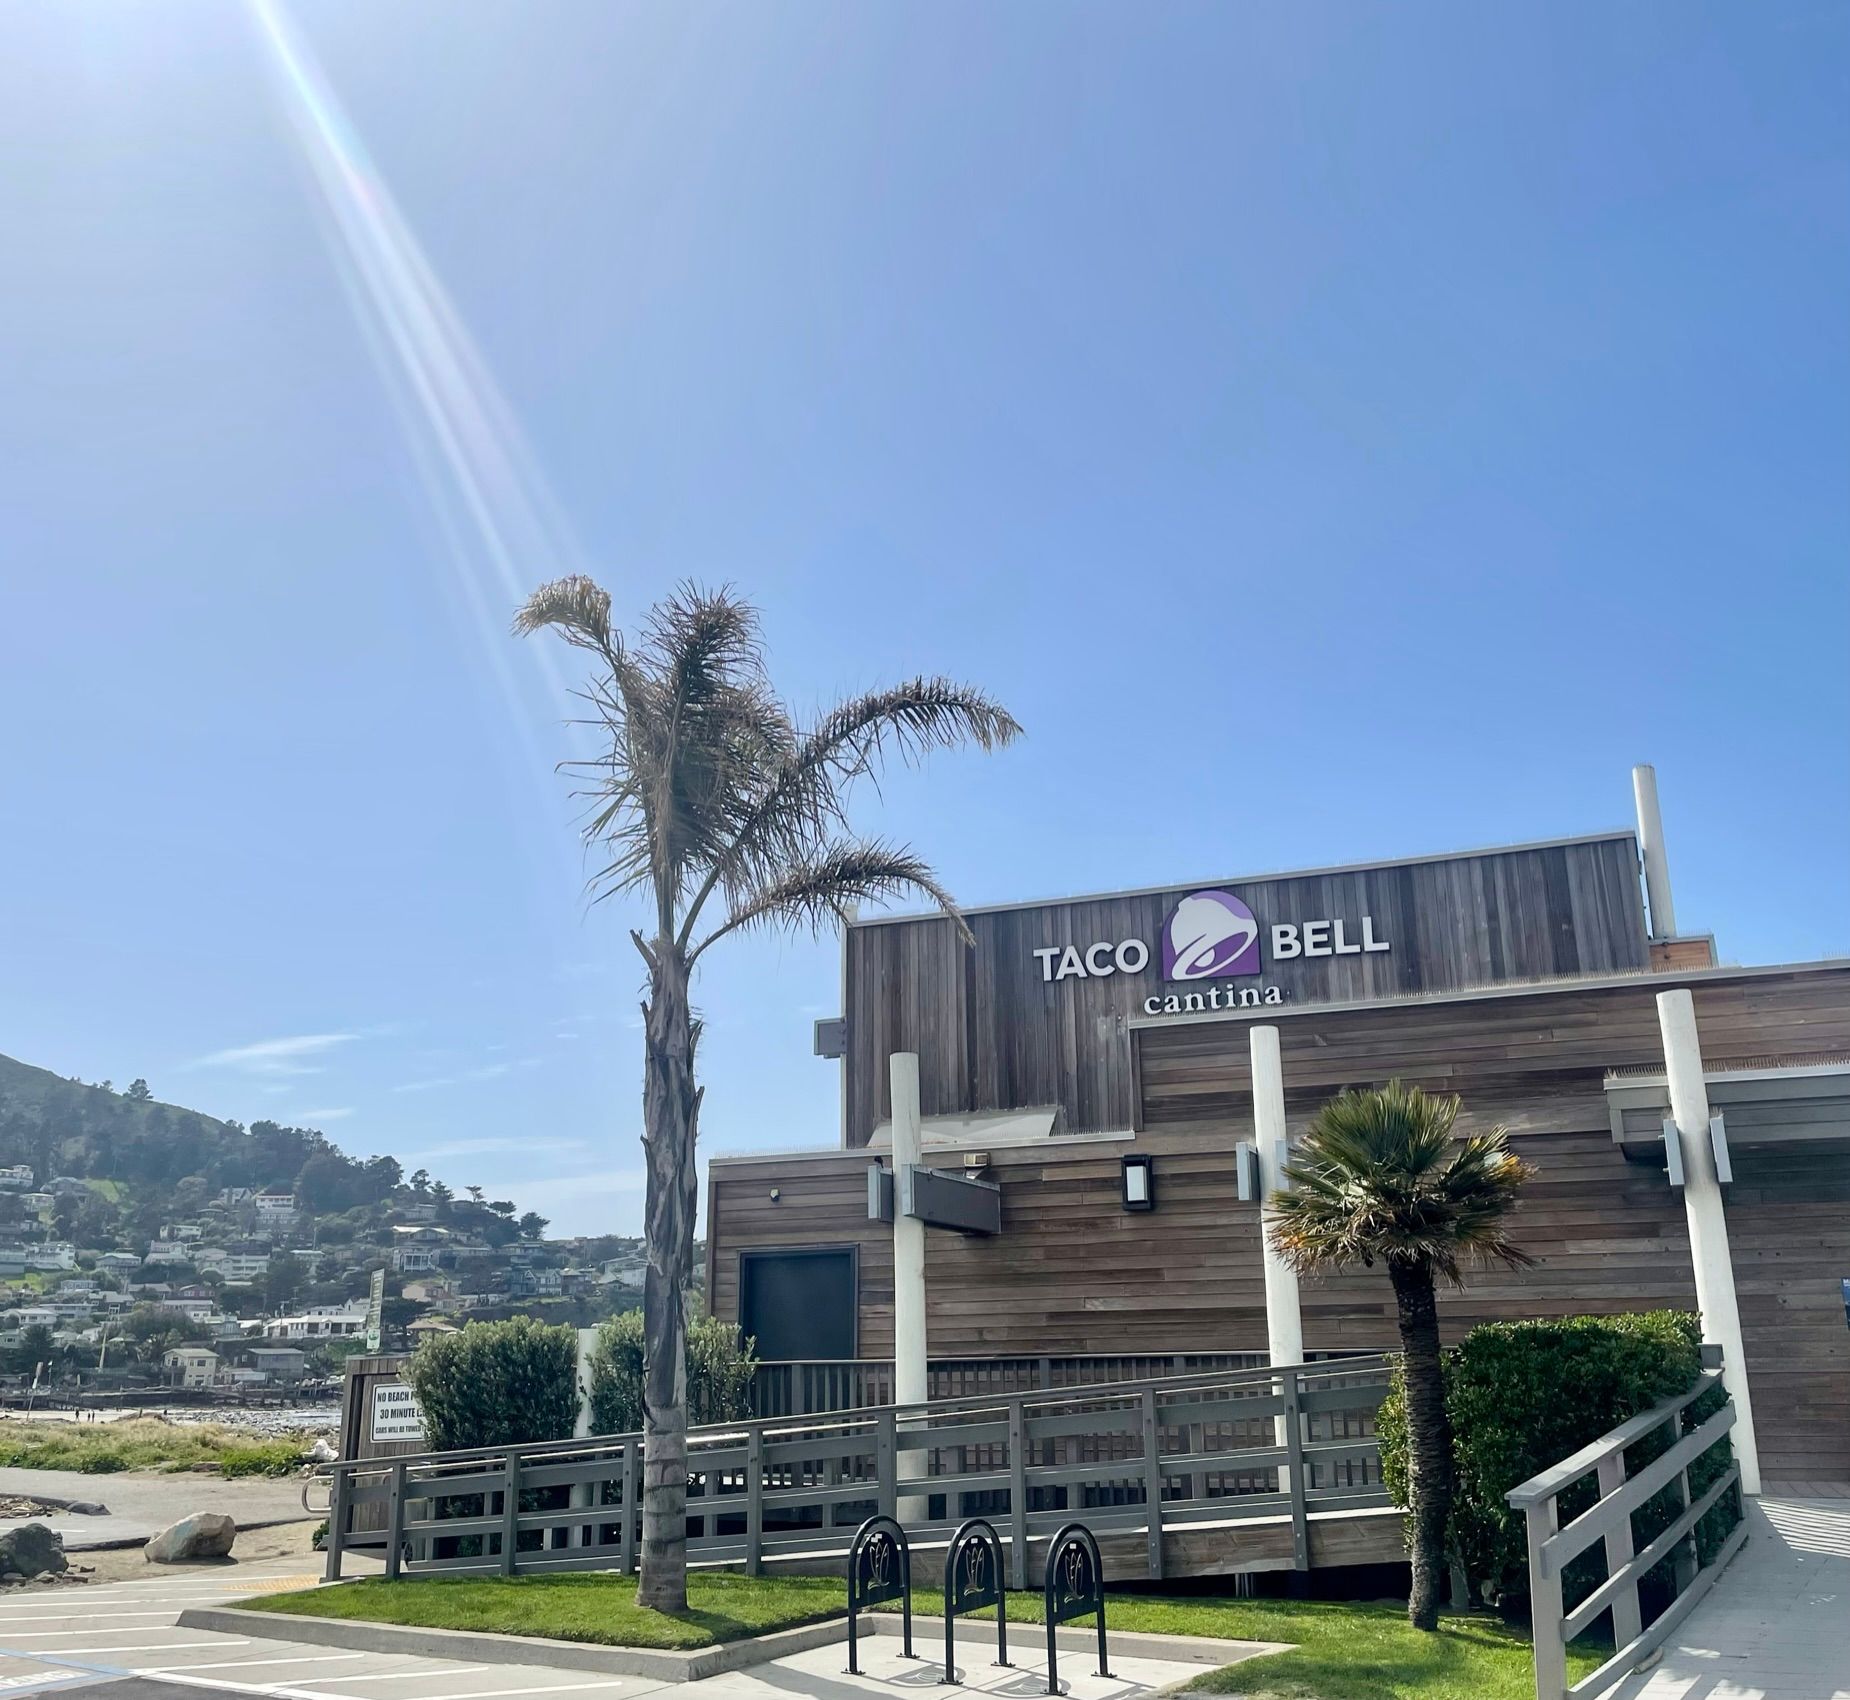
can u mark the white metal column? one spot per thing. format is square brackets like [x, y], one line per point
[910, 1350]
[1284, 1324]
[1708, 1221]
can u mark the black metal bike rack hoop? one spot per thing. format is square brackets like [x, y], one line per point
[1075, 1588]
[879, 1569]
[973, 1580]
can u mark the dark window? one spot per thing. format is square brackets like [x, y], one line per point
[798, 1304]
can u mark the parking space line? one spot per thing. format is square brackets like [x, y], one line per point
[60, 1616]
[305, 1659]
[114, 1652]
[398, 1675]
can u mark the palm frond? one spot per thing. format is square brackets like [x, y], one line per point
[577, 607]
[826, 887]
[1381, 1176]
[804, 797]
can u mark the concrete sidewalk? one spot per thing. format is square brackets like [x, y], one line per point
[142, 1501]
[1776, 1625]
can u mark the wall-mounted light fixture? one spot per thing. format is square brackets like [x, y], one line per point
[1139, 1180]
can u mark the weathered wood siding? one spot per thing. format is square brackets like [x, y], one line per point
[1073, 1272]
[991, 1033]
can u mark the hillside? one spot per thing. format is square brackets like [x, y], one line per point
[150, 1223]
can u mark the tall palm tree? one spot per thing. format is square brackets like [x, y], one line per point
[1380, 1177]
[712, 801]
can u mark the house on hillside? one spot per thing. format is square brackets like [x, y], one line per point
[191, 1366]
[280, 1363]
[118, 1262]
[275, 1209]
[324, 1322]
[16, 1175]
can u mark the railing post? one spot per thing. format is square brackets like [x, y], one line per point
[886, 1461]
[1152, 1488]
[1018, 1494]
[629, 1508]
[754, 1499]
[1626, 1620]
[1545, 1606]
[510, 1509]
[1687, 1559]
[395, 1522]
[337, 1521]
[1295, 1484]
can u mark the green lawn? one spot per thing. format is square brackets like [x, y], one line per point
[1339, 1651]
[575, 1608]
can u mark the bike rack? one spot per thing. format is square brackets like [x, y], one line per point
[879, 1569]
[972, 1580]
[1075, 1587]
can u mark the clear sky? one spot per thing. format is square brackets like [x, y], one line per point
[1335, 431]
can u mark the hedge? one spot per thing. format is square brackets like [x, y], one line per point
[497, 1384]
[1523, 1396]
[720, 1366]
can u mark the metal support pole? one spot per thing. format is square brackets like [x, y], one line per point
[911, 1363]
[1709, 1255]
[1651, 851]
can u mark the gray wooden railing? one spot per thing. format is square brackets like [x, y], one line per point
[1609, 1521]
[783, 1387]
[1148, 1457]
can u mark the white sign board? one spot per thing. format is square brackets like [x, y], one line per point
[395, 1413]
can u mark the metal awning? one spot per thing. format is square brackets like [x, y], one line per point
[984, 1131]
[1797, 1104]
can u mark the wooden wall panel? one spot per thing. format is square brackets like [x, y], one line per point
[991, 1033]
[1072, 1272]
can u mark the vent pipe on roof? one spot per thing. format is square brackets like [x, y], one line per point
[1651, 848]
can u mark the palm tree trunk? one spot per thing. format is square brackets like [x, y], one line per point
[670, 1113]
[1429, 1439]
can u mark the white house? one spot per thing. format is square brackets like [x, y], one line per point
[53, 1254]
[275, 1208]
[191, 1366]
[16, 1175]
[236, 1265]
[415, 1259]
[118, 1262]
[322, 1323]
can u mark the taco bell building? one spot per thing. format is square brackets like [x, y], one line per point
[1121, 1073]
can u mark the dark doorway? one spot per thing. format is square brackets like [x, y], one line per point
[798, 1304]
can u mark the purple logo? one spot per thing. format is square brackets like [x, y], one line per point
[1211, 935]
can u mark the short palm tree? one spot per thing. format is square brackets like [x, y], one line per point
[712, 802]
[1380, 1178]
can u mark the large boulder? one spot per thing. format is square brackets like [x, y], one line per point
[31, 1549]
[205, 1534]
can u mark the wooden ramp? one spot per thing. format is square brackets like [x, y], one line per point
[1245, 1469]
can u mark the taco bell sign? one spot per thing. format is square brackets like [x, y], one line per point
[1214, 935]
[1211, 935]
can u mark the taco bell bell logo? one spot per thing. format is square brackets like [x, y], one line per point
[1211, 935]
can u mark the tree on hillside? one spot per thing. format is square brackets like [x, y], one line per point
[719, 809]
[1380, 1178]
[283, 1281]
[533, 1226]
[138, 1091]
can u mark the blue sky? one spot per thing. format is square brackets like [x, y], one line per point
[1336, 432]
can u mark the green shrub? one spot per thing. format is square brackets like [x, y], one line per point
[497, 1384]
[720, 1366]
[1523, 1396]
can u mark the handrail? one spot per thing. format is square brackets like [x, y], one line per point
[1092, 1393]
[1158, 1455]
[1552, 1547]
[1564, 1474]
